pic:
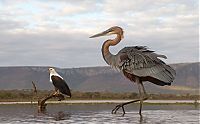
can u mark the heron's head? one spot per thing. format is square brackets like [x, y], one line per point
[112, 30]
[52, 70]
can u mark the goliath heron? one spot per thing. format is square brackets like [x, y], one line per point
[137, 63]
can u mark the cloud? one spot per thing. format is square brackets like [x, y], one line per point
[57, 32]
[6, 25]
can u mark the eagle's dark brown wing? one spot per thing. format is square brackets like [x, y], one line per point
[61, 85]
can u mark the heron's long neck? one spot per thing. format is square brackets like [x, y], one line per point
[108, 57]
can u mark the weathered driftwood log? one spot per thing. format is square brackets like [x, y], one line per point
[41, 101]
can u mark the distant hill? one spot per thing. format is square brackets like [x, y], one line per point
[97, 79]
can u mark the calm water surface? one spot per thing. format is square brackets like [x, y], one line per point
[99, 114]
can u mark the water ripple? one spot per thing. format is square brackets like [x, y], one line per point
[99, 114]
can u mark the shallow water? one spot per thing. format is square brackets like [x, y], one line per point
[99, 114]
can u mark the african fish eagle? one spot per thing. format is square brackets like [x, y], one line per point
[59, 83]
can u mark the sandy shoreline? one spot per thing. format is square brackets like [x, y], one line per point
[104, 102]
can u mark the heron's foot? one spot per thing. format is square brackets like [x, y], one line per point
[141, 102]
[114, 111]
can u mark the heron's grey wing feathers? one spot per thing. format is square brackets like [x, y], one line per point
[140, 61]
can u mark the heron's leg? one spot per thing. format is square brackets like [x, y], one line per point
[142, 96]
[141, 99]
[144, 91]
[123, 104]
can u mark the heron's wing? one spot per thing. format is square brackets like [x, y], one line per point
[140, 61]
[61, 85]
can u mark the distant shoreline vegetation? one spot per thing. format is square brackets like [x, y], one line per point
[28, 95]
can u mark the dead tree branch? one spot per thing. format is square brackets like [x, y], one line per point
[41, 101]
[34, 88]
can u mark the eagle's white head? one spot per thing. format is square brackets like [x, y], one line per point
[53, 72]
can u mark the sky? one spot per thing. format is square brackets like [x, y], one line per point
[56, 32]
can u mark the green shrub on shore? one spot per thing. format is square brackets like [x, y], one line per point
[28, 95]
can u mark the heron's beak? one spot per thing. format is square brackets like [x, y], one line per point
[107, 32]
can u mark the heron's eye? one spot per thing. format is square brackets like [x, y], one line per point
[110, 30]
